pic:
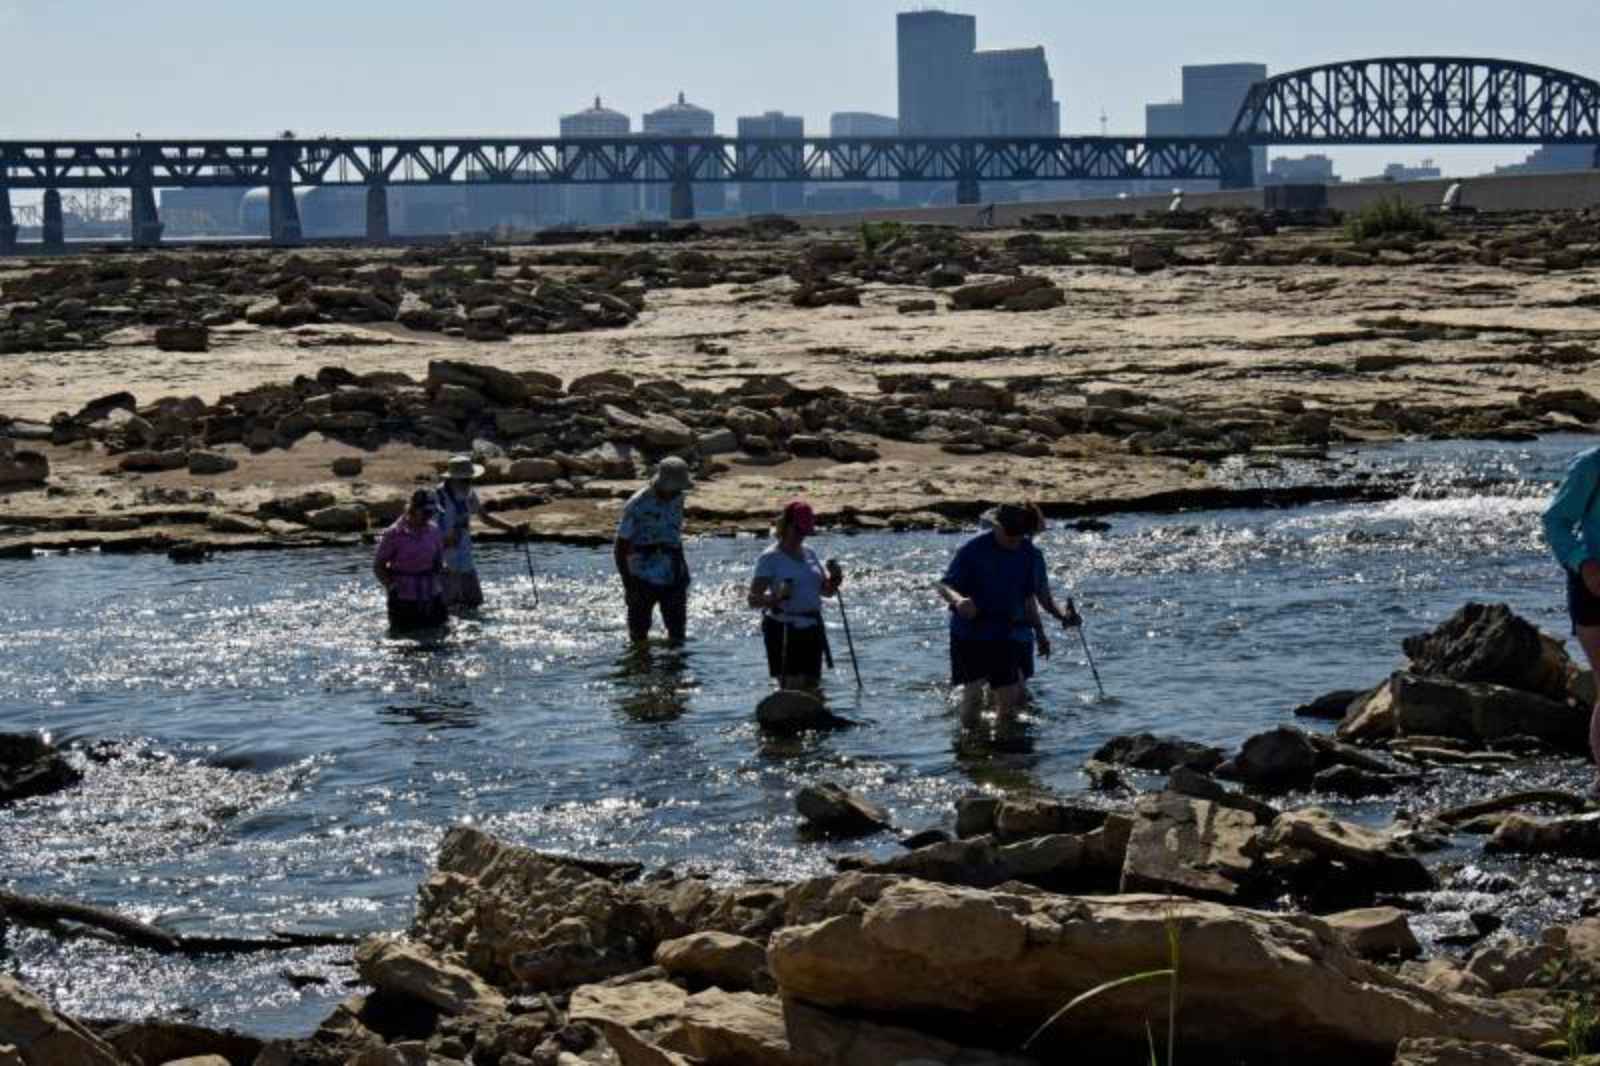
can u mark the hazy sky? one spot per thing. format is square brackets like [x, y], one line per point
[227, 67]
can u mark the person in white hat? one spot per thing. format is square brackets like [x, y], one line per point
[457, 501]
[649, 553]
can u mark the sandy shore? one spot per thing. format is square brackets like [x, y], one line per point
[1428, 342]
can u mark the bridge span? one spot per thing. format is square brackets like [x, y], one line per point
[1407, 100]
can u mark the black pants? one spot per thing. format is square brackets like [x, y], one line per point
[643, 598]
[798, 656]
[416, 614]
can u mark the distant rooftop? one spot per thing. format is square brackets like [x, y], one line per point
[680, 106]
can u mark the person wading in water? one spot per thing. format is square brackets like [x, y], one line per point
[989, 589]
[1572, 529]
[409, 558]
[649, 553]
[788, 588]
[457, 501]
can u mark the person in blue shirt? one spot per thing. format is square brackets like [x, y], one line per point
[1572, 529]
[989, 587]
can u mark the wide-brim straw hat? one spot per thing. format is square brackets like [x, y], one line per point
[672, 475]
[463, 466]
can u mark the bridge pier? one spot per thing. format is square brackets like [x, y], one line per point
[968, 190]
[377, 213]
[146, 219]
[8, 224]
[53, 230]
[681, 206]
[283, 214]
[1238, 167]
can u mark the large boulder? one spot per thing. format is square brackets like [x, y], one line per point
[1443, 1051]
[340, 518]
[1024, 817]
[1490, 643]
[992, 294]
[501, 386]
[1060, 862]
[1280, 758]
[31, 767]
[1480, 713]
[832, 810]
[411, 971]
[1571, 834]
[41, 1037]
[728, 961]
[1376, 932]
[1146, 751]
[1192, 847]
[21, 467]
[1249, 979]
[1327, 859]
[187, 337]
[654, 430]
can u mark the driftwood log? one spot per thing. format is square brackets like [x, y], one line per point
[1511, 802]
[42, 912]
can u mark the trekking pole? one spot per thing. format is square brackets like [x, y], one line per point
[848, 639]
[1087, 654]
[528, 558]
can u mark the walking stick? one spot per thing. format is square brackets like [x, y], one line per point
[528, 558]
[848, 639]
[1087, 654]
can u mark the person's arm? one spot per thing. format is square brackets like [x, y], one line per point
[380, 560]
[949, 587]
[1563, 518]
[1030, 608]
[620, 554]
[761, 595]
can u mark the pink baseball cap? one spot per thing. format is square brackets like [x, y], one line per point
[800, 517]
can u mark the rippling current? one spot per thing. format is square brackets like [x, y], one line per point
[261, 755]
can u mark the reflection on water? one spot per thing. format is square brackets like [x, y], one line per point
[268, 757]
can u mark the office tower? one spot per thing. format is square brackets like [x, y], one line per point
[937, 79]
[683, 119]
[862, 124]
[1212, 96]
[597, 203]
[1015, 96]
[1164, 120]
[765, 197]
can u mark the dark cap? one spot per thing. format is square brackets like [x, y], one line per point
[1014, 519]
[422, 500]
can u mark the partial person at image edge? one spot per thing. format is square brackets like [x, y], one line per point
[1572, 529]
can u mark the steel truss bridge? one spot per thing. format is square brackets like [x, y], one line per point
[1414, 100]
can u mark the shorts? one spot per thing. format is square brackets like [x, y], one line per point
[1582, 605]
[416, 614]
[802, 657]
[461, 588]
[999, 662]
[642, 598]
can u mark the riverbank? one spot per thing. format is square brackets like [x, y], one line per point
[884, 377]
[1227, 872]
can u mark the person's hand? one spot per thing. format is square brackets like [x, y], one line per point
[965, 608]
[522, 529]
[1070, 618]
[835, 572]
[1590, 572]
[1043, 643]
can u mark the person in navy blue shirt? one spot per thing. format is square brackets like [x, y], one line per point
[989, 588]
[1572, 529]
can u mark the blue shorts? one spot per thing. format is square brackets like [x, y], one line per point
[999, 662]
[1582, 605]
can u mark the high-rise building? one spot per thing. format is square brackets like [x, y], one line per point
[1015, 94]
[1304, 170]
[1212, 96]
[1164, 120]
[765, 197]
[597, 203]
[683, 119]
[937, 73]
[862, 124]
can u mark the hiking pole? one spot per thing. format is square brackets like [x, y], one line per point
[528, 558]
[848, 639]
[1087, 654]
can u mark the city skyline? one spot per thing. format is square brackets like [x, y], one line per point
[189, 69]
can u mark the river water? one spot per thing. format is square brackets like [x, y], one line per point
[261, 755]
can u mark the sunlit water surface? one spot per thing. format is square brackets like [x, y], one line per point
[261, 755]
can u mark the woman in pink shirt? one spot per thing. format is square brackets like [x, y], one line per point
[410, 556]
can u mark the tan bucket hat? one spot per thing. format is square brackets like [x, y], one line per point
[463, 466]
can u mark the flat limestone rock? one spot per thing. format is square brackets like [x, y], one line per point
[793, 711]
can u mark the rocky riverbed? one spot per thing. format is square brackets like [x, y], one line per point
[1290, 929]
[900, 377]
